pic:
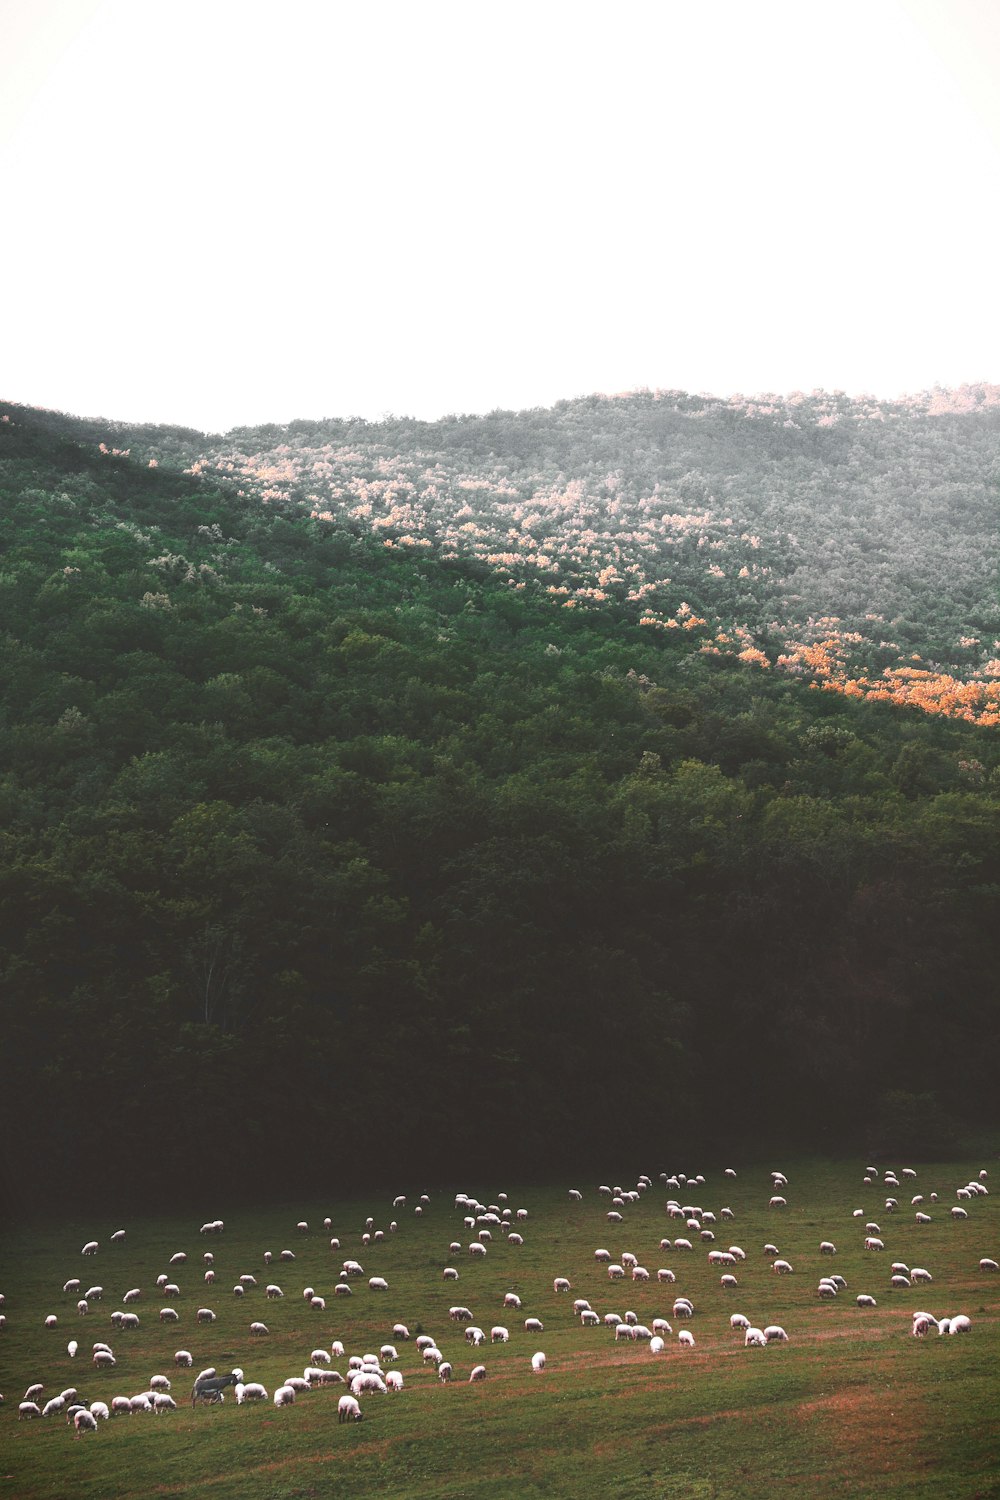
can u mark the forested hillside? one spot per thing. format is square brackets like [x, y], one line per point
[851, 541]
[333, 845]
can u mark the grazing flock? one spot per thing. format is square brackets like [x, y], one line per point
[485, 1229]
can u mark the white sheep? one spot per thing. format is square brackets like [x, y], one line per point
[728, 1281]
[560, 1284]
[54, 1407]
[27, 1410]
[986, 1264]
[538, 1361]
[656, 1345]
[71, 1348]
[252, 1391]
[285, 1396]
[739, 1320]
[515, 1239]
[499, 1334]
[781, 1267]
[100, 1410]
[205, 1315]
[183, 1358]
[474, 1335]
[478, 1373]
[90, 1248]
[686, 1338]
[754, 1339]
[84, 1421]
[131, 1320]
[259, 1330]
[169, 1315]
[163, 1402]
[960, 1324]
[444, 1371]
[533, 1325]
[273, 1292]
[377, 1284]
[775, 1334]
[827, 1247]
[449, 1273]
[919, 1274]
[394, 1381]
[864, 1300]
[120, 1406]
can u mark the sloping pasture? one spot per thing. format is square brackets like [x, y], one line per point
[852, 1404]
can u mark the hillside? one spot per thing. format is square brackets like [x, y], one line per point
[851, 541]
[312, 839]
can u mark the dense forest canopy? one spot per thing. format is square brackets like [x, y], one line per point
[423, 792]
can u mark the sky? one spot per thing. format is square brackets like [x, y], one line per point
[225, 212]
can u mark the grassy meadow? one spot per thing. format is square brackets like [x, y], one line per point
[851, 1405]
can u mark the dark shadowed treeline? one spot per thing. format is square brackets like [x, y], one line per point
[325, 860]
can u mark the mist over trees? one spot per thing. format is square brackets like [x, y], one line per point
[439, 796]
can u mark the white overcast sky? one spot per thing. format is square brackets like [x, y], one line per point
[222, 211]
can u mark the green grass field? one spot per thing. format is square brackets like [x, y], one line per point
[851, 1405]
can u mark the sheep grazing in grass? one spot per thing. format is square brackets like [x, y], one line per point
[775, 1334]
[163, 1402]
[959, 1213]
[561, 1284]
[478, 1373]
[394, 1381]
[72, 1287]
[778, 1202]
[348, 1408]
[54, 1407]
[474, 1336]
[71, 1348]
[100, 1410]
[919, 1274]
[922, 1218]
[739, 1320]
[103, 1359]
[183, 1359]
[444, 1371]
[686, 1338]
[84, 1421]
[538, 1361]
[169, 1315]
[781, 1267]
[27, 1410]
[864, 1300]
[499, 1335]
[285, 1396]
[533, 1325]
[273, 1292]
[922, 1324]
[252, 1391]
[449, 1274]
[259, 1330]
[986, 1264]
[899, 1282]
[205, 1315]
[754, 1339]
[90, 1248]
[159, 1383]
[827, 1247]
[729, 1281]
[960, 1324]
